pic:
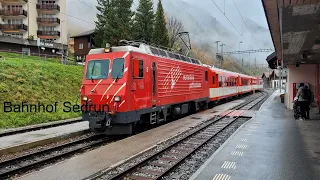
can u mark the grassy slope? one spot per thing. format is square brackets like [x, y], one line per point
[26, 79]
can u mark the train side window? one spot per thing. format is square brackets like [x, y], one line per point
[206, 76]
[220, 81]
[213, 79]
[137, 68]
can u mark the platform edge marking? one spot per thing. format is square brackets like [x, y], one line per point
[204, 165]
[225, 143]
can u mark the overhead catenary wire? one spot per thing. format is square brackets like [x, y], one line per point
[244, 20]
[231, 23]
[199, 24]
[87, 5]
[68, 15]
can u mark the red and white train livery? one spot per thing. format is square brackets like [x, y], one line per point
[136, 83]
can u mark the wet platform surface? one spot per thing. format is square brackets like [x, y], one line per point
[270, 146]
[39, 135]
[84, 165]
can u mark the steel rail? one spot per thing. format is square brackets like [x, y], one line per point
[38, 158]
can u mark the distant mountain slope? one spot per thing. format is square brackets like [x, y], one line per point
[213, 29]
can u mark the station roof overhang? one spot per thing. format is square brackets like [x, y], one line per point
[294, 27]
[272, 60]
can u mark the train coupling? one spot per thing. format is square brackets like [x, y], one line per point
[99, 120]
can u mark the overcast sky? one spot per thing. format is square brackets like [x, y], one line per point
[251, 9]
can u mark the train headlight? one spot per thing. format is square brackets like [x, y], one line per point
[85, 98]
[117, 99]
[107, 48]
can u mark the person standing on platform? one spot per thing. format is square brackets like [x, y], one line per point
[303, 99]
[310, 96]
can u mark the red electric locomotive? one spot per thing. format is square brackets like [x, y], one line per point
[136, 83]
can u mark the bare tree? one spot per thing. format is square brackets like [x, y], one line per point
[174, 27]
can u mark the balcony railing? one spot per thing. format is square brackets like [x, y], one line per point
[10, 27]
[11, 12]
[49, 7]
[48, 33]
[48, 20]
[10, 1]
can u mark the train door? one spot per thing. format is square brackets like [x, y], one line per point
[154, 83]
[139, 93]
[239, 84]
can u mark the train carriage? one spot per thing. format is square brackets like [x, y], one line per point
[223, 84]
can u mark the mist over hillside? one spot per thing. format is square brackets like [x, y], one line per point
[198, 19]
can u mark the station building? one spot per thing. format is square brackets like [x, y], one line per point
[294, 28]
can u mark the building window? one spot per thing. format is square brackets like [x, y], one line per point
[15, 21]
[89, 45]
[80, 46]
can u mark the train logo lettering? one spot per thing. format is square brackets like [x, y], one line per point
[188, 77]
[172, 78]
[194, 85]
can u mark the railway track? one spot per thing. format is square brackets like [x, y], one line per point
[40, 158]
[161, 162]
[39, 127]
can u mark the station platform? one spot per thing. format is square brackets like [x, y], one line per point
[272, 145]
[102, 158]
[17, 142]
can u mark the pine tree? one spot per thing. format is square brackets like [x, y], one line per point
[114, 21]
[124, 20]
[105, 11]
[160, 32]
[143, 21]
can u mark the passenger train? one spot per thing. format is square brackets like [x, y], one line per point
[126, 86]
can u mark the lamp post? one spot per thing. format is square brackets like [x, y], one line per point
[239, 48]
[217, 48]
[222, 52]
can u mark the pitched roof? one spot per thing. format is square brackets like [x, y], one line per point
[278, 72]
[267, 74]
[275, 72]
[84, 34]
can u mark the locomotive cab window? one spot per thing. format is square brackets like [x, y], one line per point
[213, 79]
[117, 68]
[98, 69]
[137, 68]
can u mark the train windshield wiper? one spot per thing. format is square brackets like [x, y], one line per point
[121, 70]
[92, 71]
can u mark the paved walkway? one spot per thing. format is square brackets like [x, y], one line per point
[39, 135]
[271, 146]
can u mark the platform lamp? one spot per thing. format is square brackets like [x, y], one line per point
[239, 48]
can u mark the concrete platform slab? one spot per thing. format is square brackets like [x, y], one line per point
[13, 142]
[84, 165]
[270, 146]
